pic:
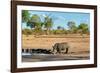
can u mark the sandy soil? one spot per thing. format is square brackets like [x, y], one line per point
[77, 43]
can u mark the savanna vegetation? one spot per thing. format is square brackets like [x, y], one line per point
[44, 27]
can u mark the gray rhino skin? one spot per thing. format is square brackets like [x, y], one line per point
[60, 48]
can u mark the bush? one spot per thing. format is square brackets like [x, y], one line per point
[26, 31]
[59, 32]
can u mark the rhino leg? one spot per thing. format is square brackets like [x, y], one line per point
[66, 51]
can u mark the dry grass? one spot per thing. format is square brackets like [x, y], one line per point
[77, 43]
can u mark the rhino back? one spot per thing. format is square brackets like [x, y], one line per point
[65, 45]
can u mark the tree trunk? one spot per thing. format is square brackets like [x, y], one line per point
[47, 31]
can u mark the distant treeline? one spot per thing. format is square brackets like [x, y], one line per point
[39, 26]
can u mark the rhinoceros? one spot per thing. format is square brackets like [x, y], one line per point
[60, 48]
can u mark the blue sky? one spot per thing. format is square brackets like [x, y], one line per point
[62, 18]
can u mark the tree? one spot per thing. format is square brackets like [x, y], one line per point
[83, 27]
[25, 16]
[72, 26]
[60, 28]
[36, 23]
[48, 22]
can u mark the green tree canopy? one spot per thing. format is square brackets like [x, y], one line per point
[34, 22]
[60, 28]
[48, 23]
[25, 16]
[83, 27]
[72, 26]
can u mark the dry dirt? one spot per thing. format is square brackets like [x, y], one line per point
[79, 44]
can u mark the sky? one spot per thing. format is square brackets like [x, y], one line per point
[62, 18]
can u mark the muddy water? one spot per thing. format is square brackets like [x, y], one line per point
[52, 57]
